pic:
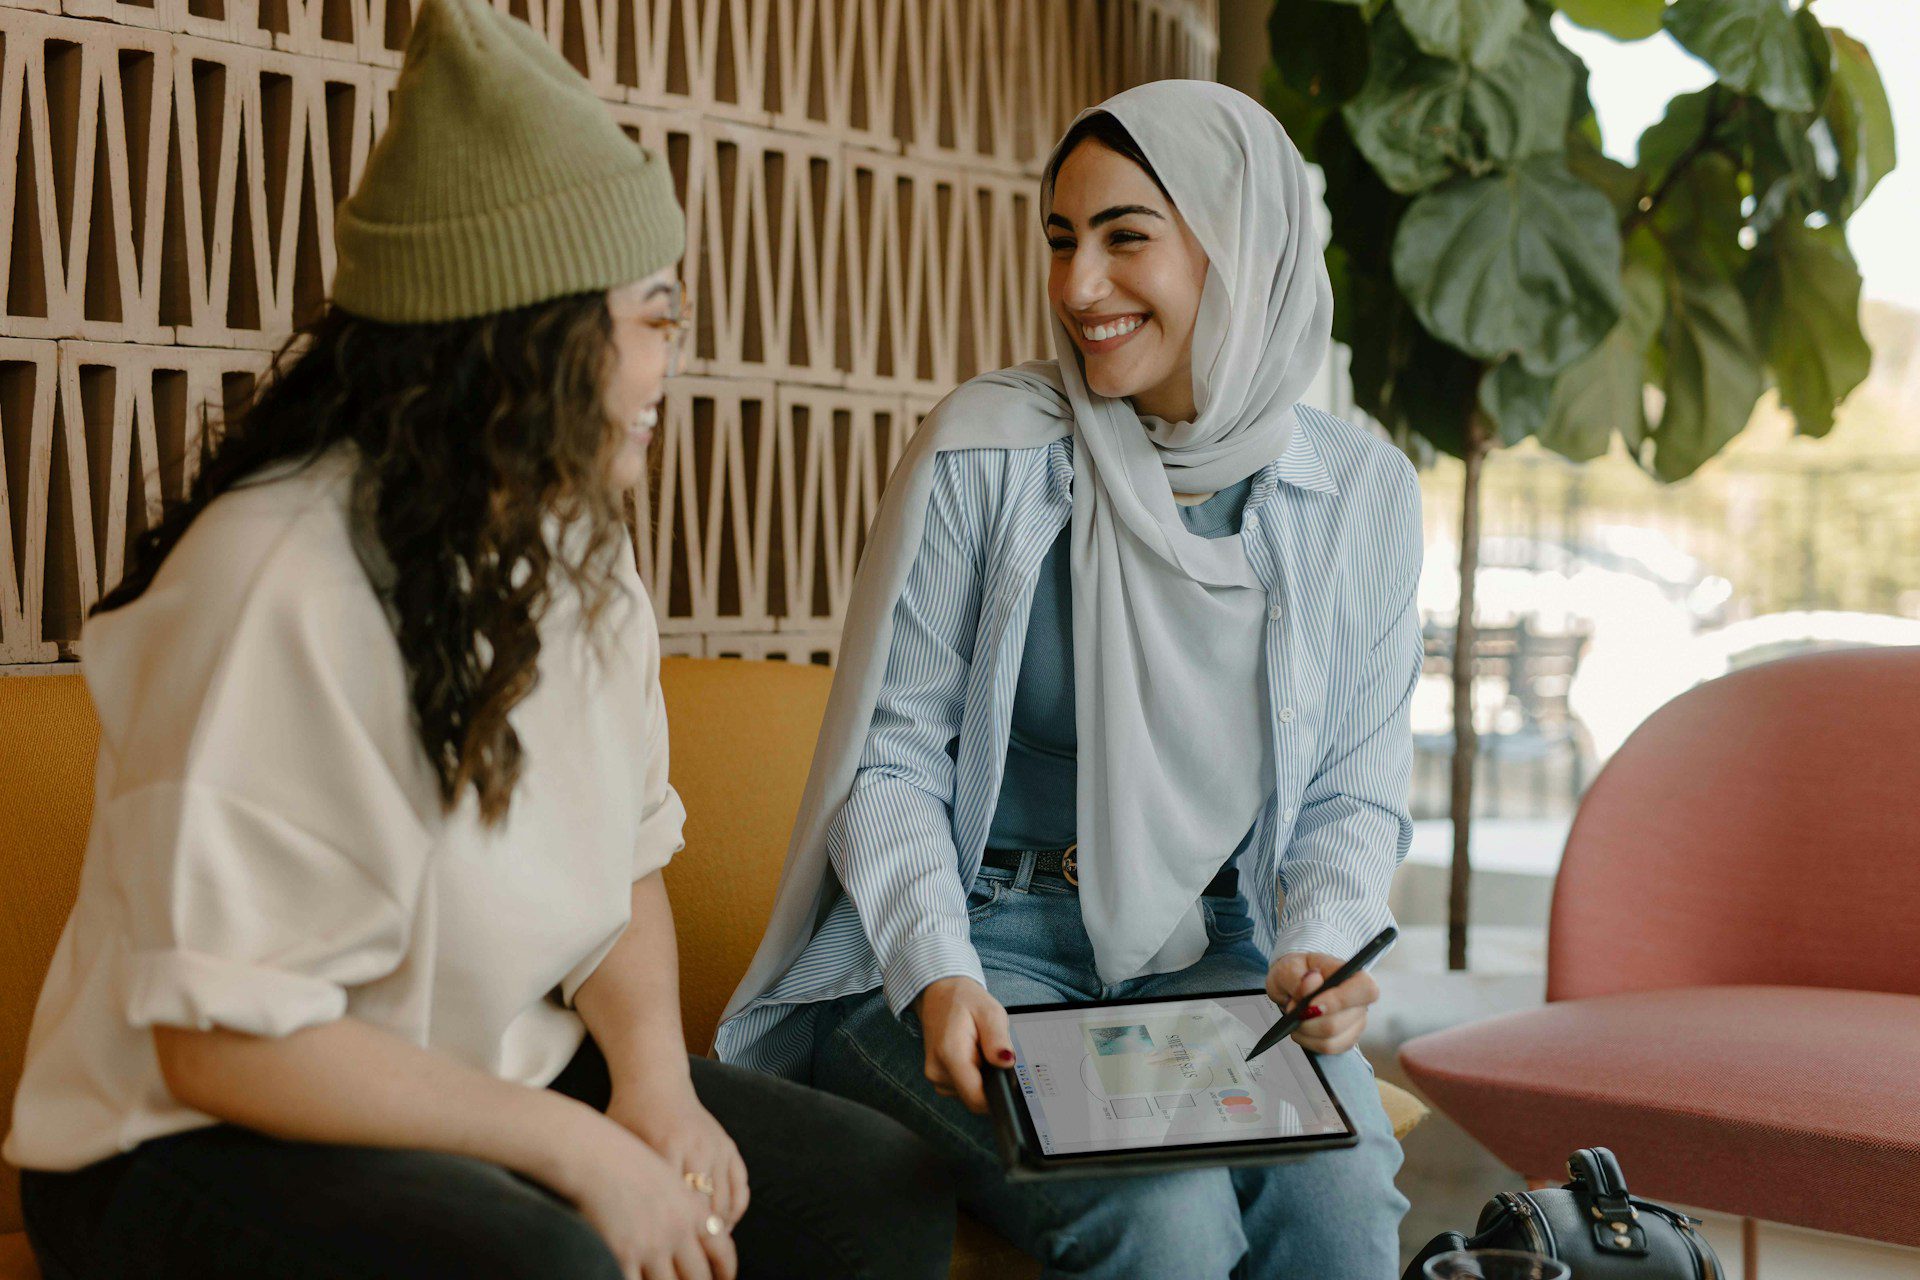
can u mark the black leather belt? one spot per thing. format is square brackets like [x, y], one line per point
[1064, 864]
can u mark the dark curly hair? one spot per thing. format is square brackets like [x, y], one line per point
[469, 436]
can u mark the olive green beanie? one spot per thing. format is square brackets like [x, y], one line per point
[501, 181]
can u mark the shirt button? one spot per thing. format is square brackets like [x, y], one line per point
[1253, 524]
[1273, 613]
[1287, 816]
[1286, 715]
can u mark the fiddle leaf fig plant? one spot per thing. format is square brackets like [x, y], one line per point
[1498, 278]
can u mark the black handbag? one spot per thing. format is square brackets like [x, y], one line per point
[1593, 1225]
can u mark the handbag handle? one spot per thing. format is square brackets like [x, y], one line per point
[1600, 1186]
[1594, 1170]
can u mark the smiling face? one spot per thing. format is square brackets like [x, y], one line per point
[1126, 280]
[643, 314]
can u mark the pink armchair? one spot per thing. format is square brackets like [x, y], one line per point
[1733, 969]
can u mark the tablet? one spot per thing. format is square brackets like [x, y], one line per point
[1139, 1086]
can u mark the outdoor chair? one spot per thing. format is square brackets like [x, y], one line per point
[1534, 751]
[1733, 980]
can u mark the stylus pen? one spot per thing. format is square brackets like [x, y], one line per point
[1288, 1021]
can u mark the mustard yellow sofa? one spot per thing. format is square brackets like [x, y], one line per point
[743, 734]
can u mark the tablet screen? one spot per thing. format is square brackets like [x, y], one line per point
[1101, 1079]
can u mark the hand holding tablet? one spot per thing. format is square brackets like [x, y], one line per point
[1137, 1086]
[963, 1026]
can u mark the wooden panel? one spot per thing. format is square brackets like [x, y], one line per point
[860, 179]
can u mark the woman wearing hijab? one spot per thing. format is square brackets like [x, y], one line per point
[1127, 665]
[372, 968]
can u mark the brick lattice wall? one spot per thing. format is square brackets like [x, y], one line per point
[860, 183]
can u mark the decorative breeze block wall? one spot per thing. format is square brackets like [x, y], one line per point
[860, 179]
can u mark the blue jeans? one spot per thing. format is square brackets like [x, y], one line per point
[1332, 1215]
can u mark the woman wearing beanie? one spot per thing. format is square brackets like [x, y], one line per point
[1127, 664]
[372, 971]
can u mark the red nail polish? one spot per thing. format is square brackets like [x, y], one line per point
[1313, 1011]
[1006, 1055]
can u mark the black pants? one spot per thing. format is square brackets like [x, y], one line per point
[837, 1190]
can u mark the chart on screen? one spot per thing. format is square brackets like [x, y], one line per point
[1171, 1073]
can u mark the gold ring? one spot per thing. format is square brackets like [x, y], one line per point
[699, 1182]
[713, 1225]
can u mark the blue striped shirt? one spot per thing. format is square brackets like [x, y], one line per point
[1332, 530]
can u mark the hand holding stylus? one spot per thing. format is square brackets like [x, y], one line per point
[1332, 1016]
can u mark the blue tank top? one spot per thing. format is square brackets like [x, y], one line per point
[1036, 807]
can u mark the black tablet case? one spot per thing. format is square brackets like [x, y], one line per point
[1020, 1145]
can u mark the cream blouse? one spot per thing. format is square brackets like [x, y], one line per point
[268, 849]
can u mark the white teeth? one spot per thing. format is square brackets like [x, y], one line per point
[1114, 330]
[647, 420]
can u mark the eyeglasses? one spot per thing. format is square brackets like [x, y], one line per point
[677, 330]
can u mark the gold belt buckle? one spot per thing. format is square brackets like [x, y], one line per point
[1070, 864]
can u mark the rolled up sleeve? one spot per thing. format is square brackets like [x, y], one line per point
[181, 988]
[663, 818]
[277, 861]
[243, 920]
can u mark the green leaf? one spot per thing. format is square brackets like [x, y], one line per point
[1706, 361]
[1621, 19]
[1606, 391]
[1369, 370]
[1321, 48]
[1366, 313]
[1363, 211]
[1585, 121]
[1686, 122]
[1523, 105]
[1818, 49]
[1787, 178]
[1298, 114]
[1432, 389]
[1861, 120]
[1365, 320]
[1755, 45]
[1700, 217]
[1421, 118]
[1775, 145]
[1472, 31]
[1405, 379]
[1526, 263]
[1340, 277]
[1515, 400]
[1805, 294]
[1407, 119]
[1798, 155]
[1591, 165]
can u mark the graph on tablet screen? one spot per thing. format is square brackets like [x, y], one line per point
[1164, 1074]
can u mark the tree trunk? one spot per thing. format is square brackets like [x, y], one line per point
[1465, 741]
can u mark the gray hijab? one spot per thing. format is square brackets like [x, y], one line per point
[1175, 755]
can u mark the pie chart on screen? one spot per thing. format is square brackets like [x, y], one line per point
[1241, 1108]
